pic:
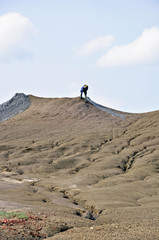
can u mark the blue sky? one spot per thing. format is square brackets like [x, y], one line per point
[51, 48]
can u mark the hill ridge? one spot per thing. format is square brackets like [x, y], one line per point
[104, 166]
[20, 102]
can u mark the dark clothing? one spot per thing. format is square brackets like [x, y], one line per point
[84, 89]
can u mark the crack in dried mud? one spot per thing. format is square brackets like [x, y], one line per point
[81, 164]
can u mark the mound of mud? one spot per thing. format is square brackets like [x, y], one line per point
[18, 103]
[93, 173]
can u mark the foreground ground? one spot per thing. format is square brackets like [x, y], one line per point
[77, 172]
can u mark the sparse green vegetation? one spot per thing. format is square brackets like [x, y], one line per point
[18, 215]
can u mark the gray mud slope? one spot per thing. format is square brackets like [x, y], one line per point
[111, 111]
[18, 103]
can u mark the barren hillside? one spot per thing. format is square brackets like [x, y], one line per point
[79, 163]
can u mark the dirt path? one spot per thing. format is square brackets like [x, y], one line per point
[8, 204]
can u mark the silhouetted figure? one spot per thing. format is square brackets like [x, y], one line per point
[84, 90]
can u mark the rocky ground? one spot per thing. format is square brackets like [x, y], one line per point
[78, 172]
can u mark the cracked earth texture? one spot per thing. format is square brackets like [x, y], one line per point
[93, 174]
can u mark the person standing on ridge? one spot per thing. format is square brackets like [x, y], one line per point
[84, 89]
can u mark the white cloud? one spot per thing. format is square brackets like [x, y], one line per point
[96, 44]
[144, 49]
[15, 31]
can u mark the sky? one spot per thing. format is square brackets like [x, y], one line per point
[51, 48]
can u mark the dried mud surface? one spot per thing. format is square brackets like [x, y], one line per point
[18, 103]
[82, 173]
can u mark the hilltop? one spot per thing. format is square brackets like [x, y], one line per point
[82, 162]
